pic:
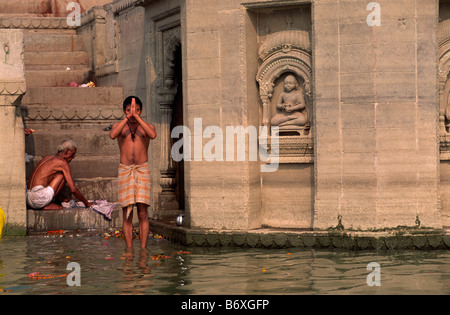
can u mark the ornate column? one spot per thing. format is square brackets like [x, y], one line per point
[167, 170]
[169, 40]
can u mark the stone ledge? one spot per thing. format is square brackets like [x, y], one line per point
[34, 22]
[71, 219]
[282, 238]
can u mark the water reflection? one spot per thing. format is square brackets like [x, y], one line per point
[108, 268]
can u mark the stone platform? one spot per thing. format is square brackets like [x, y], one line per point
[71, 219]
[412, 239]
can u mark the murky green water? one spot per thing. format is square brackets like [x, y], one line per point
[168, 269]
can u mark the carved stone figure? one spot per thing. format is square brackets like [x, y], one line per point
[291, 106]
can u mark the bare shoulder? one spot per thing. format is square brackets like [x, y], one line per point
[59, 163]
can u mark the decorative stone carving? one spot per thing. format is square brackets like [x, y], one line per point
[169, 41]
[444, 71]
[34, 23]
[444, 88]
[68, 113]
[286, 55]
[172, 39]
[292, 113]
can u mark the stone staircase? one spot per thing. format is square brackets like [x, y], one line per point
[53, 59]
[49, 56]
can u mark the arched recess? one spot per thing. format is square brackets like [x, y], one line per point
[444, 74]
[286, 52]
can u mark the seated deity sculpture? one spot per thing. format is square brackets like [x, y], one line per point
[447, 117]
[291, 106]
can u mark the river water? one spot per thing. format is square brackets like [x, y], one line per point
[38, 265]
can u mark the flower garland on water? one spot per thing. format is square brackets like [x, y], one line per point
[117, 233]
[40, 276]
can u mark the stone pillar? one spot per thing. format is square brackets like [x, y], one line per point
[168, 201]
[220, 194]
[12, 137]
[376, 111]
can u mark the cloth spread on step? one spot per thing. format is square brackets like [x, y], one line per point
[101, 206]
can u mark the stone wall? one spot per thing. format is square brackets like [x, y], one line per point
[370, 159]
[12, 140]
[375, 99]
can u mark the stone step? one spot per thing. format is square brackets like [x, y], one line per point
[89, 166]
[44, 42]
[66, 96]
[57, 78]
[51, 31]
[56, 67]
[36, 59]
[72, 219]
[99, 188]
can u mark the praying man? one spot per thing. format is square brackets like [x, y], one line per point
[133, 135]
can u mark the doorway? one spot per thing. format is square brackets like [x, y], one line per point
[177, 120]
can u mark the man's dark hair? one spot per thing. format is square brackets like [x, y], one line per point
[128, 100]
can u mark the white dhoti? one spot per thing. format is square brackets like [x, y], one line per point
[38, 197]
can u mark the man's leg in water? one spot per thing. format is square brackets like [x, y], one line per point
[128, 227]
[143, 224]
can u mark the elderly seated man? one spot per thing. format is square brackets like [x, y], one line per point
[50, 176]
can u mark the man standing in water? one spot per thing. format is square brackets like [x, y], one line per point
[133, 136]
[50, 176]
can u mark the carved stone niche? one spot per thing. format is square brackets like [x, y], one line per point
[444, 88]
[286, 56]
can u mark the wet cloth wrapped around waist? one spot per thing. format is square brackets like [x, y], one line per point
[134, 185]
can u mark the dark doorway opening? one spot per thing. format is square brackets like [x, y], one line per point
[177, 120]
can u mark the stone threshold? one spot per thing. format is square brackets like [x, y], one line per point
[406, 239]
